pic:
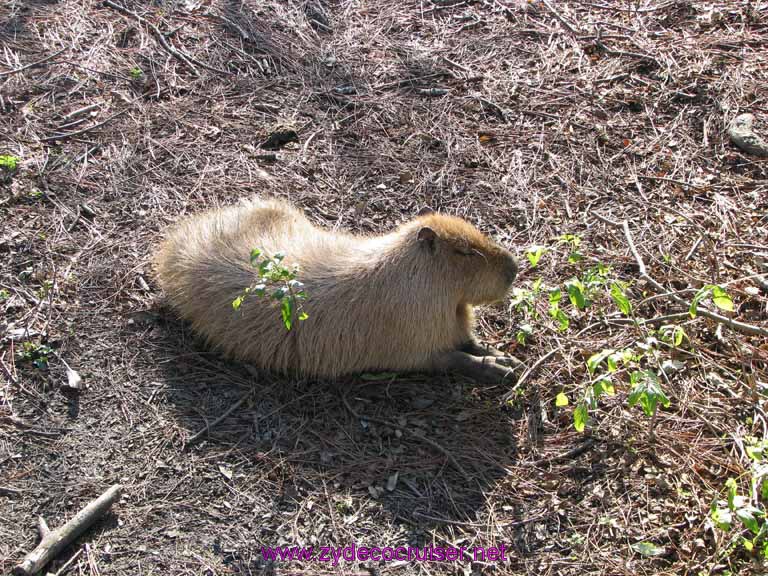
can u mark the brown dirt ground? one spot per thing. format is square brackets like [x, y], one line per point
[529, 119]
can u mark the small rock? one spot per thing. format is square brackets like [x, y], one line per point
[279, 138]
[422, 403]
[73, 380]
[743, 136]
[392, 482]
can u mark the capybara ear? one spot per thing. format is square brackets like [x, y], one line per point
[424, 211]
[427, 235]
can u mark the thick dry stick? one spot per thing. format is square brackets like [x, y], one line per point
[734, 324]
[54, 541]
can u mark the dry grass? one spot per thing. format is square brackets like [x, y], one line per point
[545, 115]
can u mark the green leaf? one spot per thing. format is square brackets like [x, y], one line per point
[647, 391]
[571, 239]
[9, 163]
[749, 516]
[237, 302]
[574, 257]
[555, 295]
[523, 333]
[280, 293]
[286, 311]
[620, 298]
[703, 292]
[255, 255]
[561, 400]
[594, 361]
[602, 386]
[722, 518]
[580, 416]
[731, 485]
[647, 549]
[303, 316]
[534, 254]
[536, 286]
[576, 293]
[721, 299]
[561, 317]
[519, 296]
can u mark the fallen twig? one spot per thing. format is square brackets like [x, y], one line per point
[560, 18]
[572, 453]
[734, 324]
[89, 128]
[417, 435]
[33, 64]
[519, 384]
[54, 541]
[161, 38]
[221, 418]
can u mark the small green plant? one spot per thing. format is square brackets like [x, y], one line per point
[720, 298]
[573, 242]
[673, 334]
[45, 289]
[4, 295]
[282, 284]
[534, 254]
[555, 296]
[746, 511]
[9, 163]
[37, 354]
[524, 332]
[604, 366]
[136, 73]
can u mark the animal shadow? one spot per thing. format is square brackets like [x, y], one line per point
[424, 448]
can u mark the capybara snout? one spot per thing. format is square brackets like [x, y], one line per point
[401, 301]
[509, 269]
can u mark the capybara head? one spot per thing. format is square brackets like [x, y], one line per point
[482, 270]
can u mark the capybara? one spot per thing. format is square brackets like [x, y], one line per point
[398, 302]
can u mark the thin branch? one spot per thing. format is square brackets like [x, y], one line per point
[417, 435]
[734, 324]
[560, 18]
[178, 54]
[33, 64]
[220, 419]
[89, 128]
[519, 384]
[572, 453]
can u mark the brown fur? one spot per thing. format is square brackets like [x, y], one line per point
[396, 302]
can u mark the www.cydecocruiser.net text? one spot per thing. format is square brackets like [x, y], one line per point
[335, 554]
